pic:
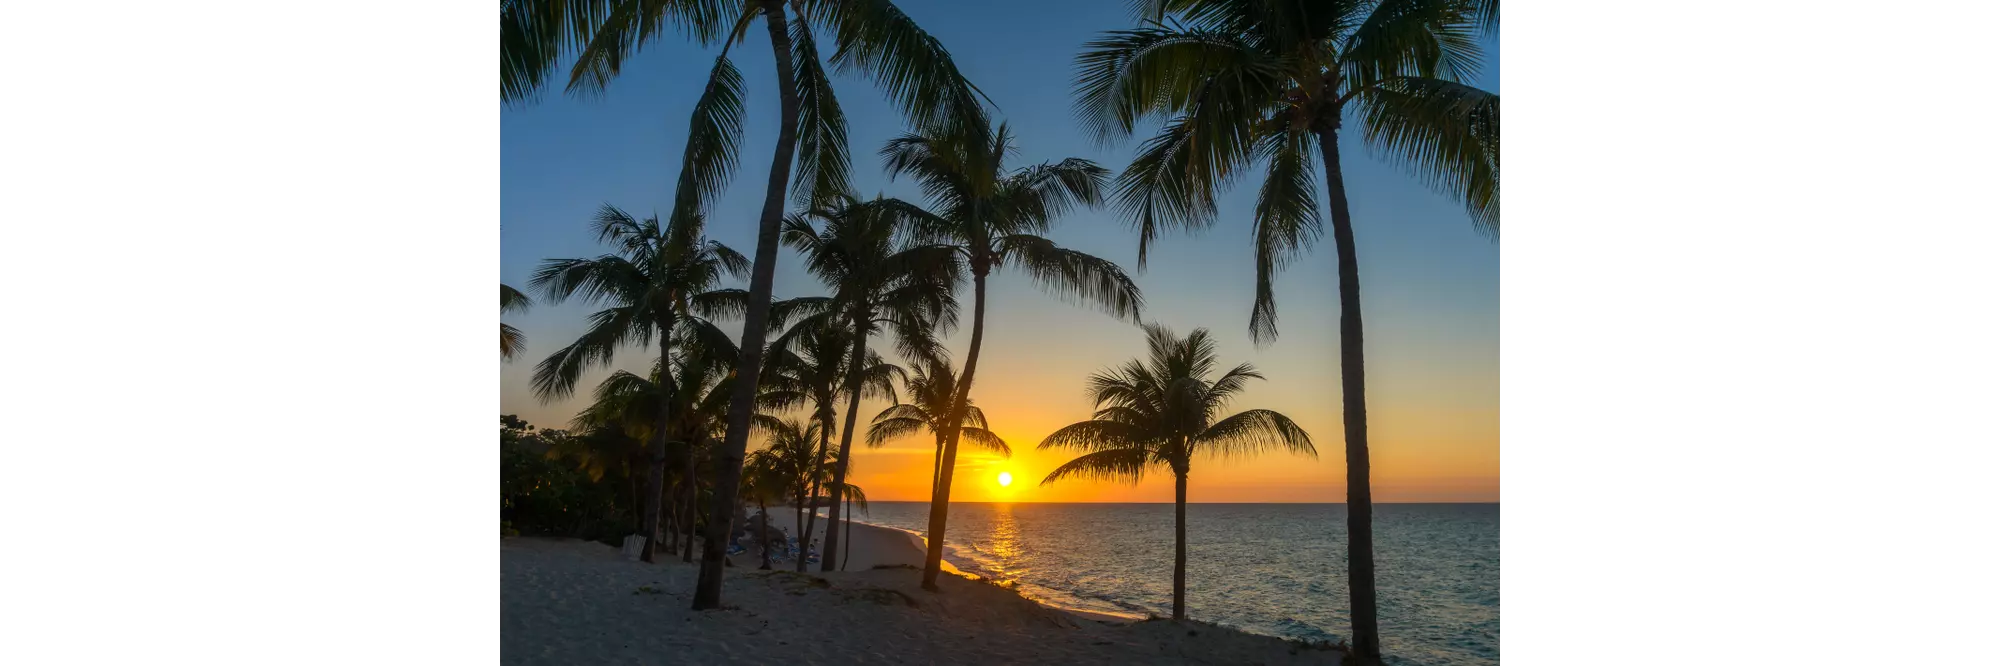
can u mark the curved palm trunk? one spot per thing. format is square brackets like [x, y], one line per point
[656, 474]
[756, 318]
[854, 361]
[812, 499]
[941, 498]
[763, 534]
[1180, 545]
[687, 549]
[1353, 413]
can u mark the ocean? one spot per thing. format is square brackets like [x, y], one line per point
[1274, 569]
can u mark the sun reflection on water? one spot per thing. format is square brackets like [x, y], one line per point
[1003, 545]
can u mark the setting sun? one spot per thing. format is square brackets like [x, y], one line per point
[1006, 479]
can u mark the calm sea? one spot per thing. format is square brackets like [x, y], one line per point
[1275, 569]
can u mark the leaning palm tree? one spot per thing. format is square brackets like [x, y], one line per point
[511, 341]
[1163, 412]
[993, 217]
[1243, 83]
[881, 283]
[873, 38]
[660, 284]
[932, 388]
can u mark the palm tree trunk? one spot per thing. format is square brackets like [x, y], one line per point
[756, 318]
[1180, 545]
[764, 534]
[656, 475]
[849, 542]
[687, 550]
[937, 461]
[854, 361]
[1353, 412]
[941, 499]
[812, 511]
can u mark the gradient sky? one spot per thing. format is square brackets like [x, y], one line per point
[1430, 283]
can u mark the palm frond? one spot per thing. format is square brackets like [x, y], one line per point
[1427, 38]
[714, 139]
[512, 300]
[1287, 221]
[556, 376]
[511, 342]
[1252, 432]
[1075, 275]
[1448, 134]
[985, 440]
[877, 40]
[1094, 435]
[822, 170]
[885, 430]
[1126, 75]
[1126, 465]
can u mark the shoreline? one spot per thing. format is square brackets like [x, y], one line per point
[916, 544]
[572, 601]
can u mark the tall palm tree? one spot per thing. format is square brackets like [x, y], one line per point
[873, 38]
[511, 341]
[880, 283]
[659, 285]
[809, 366]
[1163, 412]
[993, 216]
[1242, 83]
[932, 387]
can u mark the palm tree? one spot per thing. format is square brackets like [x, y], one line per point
[1163, 413]
[763, 482]
[660, 284]
[511, 342]
[809, 364]
[1240, 83]
[872, 37]
[932, 388]
[797, 455]
[880, 284]
[993, 217]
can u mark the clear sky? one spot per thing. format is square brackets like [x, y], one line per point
[1430, 283]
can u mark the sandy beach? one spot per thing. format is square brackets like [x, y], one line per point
[579, 602]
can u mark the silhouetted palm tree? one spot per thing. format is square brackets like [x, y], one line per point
[797, 453]
[808, 368]
[880, 283]
[932, 388]
[1163, 413]
[873, 38]
[1242, 83]
[511, 342]
[763, 482]
[660, 285]
[993, 216]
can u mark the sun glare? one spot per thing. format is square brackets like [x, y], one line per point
[1006, 479]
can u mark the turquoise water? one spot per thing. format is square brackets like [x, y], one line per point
[1275, 569]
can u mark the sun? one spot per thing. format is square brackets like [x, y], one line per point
[1006, 479]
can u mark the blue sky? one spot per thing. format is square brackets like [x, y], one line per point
[1430, 282]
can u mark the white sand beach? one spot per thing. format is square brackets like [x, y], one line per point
[579, 602]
